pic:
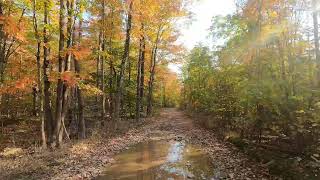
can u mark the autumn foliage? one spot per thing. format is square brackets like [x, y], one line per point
[59, 58]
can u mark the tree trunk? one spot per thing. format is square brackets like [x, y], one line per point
[62, 103]
[123, 64]
[39, 78]
[138, 96]
[59, 99]
[152, 74]
[48, 122]
[40, 101]
[151, 81]
[82, 124]
[1, 55]
[2, 45]
[103, 96]
[35, 100]
[111, 70]
[1, 25]
[98, 67]
[140, 76]
[142, 73]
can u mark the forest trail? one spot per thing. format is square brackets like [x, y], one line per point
[228, 162]
[175, 118]
[174, 125]
[89, 159]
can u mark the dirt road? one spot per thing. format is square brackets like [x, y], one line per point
[87, 159]
[229, 162]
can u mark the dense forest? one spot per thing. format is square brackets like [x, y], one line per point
[260, 82]
[59, 57]
[75, 70]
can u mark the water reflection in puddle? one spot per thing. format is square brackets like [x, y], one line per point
[160, 160]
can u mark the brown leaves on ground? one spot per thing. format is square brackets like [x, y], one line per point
[87, 159]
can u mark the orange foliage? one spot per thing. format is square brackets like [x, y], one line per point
[80, 52]
[69, 78]
[13, 28]
[20, 85]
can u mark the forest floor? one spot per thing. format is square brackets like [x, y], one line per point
[87, 159]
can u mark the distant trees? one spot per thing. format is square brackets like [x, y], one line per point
[315, 15]
[260, 82]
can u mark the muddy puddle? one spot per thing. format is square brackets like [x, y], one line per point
[169, 160]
